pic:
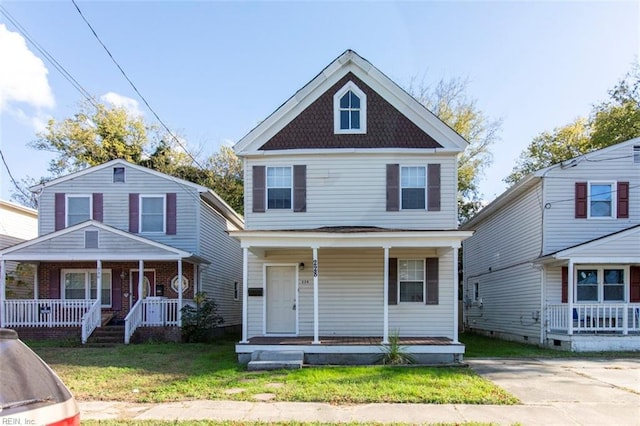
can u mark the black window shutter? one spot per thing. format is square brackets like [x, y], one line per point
[300, 188]
[432, 266]
[259, 189]
[433, 190]
[393, 281]
[393, 187]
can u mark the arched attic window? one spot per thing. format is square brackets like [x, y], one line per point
[350, 110]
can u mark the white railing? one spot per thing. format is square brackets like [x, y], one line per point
[152, 312]
[90, 321]
[132, 321]
[593, 317]
[45, 312]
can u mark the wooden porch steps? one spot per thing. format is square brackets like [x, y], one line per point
[276, 360]
[107, 336]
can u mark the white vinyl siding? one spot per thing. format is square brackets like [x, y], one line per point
[350, 190]
[16, 222]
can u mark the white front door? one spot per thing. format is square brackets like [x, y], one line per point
[281, 300]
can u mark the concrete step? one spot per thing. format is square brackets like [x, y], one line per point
[276, 360]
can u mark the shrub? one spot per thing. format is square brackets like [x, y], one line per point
[199, 323]
[394, 353]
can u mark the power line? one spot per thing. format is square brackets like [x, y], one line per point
[11, 176]
[135, 88]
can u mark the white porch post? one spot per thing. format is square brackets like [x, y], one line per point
[316, 337]
[245, 294]
[3, 268]
[99, 284]
[140, 278]
[570, 297]
[385, 298]
[455, 294]
[180, 293]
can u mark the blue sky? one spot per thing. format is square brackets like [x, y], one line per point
[212, 70]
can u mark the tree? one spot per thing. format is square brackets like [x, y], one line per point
[448, 101]
[612, 121]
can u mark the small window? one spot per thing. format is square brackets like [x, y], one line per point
[411, 280]
[118, 175]
[78, 209]
[90, 239]
[236, 291]
[152, 213]
[279, 187]
[476, 292]
[601, 202]
[413, 181]
[350, 109]
[636, 154]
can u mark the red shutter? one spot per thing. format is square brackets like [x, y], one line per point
[134, 212]
[60, 211]
[623, 200]
[97, 207]
[393, 281]
[258, 189]
[432, 269]
[300, 188]
[54, 283]
[635, 285]
[433, 185]
[581, 200]
[565, 284]
[116, 291]
[171, 213]
[393, 187]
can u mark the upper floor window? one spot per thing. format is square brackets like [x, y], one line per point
[118, 175]
[78, 209]
[350, 110]
[279, 187]
[411, 280]
[601, 199]
[152, 213]
[413, 183]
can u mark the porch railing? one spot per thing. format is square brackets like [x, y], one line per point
[152, 313]
[132, 321]
[45, 312]
[90, 321]
[594, 317]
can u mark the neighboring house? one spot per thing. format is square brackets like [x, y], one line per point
[555, 260]
[351, 222]
[100, 227]
[17, 224]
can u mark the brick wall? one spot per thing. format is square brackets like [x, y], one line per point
[49, 333]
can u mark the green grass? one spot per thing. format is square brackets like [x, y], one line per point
[173, 372]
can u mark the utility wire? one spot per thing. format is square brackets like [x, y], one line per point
[135, 88]
[11, 176]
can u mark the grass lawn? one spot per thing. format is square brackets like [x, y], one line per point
[173, 372]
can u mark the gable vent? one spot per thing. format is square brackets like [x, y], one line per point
[90, 239]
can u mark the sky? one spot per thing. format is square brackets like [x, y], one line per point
[212, 70]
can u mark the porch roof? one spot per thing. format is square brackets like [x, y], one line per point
[350, 236]
[620, 247]
[114, 244]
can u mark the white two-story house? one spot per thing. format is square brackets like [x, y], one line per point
[351, 222]
[555, 260]
[124, 244]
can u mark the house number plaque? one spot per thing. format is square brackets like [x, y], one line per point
[315, 267]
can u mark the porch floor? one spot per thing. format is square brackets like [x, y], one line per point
[345, 340]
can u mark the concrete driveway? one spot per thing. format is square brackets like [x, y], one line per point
[584, 391]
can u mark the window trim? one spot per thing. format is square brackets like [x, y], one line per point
[87, 283]
[350, 86]
[426, 187]
[164, 213]
[67, 210]
[600, 278]
[424, 282]
[614, 199]
[266, 187]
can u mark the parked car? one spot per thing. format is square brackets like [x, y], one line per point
[30, 392]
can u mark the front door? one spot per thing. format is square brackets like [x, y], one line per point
[148, 285]
[281, 300]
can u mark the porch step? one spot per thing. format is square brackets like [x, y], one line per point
[276, 360]
[106, 336]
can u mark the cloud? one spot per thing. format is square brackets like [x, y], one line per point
[120, 101]
[23, 76]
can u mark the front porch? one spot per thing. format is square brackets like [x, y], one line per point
[594, 318]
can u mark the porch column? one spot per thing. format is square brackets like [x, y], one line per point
[140, 279]
[455, 294]
[180, 293]
[385, 298]
[99, 285]
[570, 297]
[245, 294]
[3, 268]
[316, 337]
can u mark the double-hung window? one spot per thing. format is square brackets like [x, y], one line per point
[411, 280]
[600, 284]
[78, 209]
[83, 284]
[152, 213]
[413, 183]
[279, 187]
[601, 199]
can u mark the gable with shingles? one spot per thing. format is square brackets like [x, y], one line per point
[387, 127]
